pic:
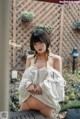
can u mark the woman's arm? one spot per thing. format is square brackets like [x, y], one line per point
[28, 61]
[26, 77]
[58, 63]
[31, 86]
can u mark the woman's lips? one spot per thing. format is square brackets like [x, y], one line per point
[40, 49]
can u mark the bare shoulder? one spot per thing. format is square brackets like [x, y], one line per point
[30, 57]
[55, 57]
[28, 60]
[57, 62]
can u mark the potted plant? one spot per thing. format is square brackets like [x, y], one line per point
[76, 25]
[26, 16]
[48, 29]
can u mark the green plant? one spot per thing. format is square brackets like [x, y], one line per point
[70, 104]
[24, 54]
[76, 25]
[48, 29]
[26, 16]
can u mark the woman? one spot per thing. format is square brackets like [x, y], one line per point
[42, 85]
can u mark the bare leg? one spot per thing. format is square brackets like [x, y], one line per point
[24, 106]
[48, 112]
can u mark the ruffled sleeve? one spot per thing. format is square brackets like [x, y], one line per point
[26, 79]
[54, 86]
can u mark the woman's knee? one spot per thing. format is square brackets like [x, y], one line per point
[48, 112]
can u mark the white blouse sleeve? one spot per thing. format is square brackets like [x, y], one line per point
[54, 86]
[26, 79]
[45, 85]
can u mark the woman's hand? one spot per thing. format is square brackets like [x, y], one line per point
[31, 88]
[38, 90]
[35, 89]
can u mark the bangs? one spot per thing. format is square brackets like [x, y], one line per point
[36, 39]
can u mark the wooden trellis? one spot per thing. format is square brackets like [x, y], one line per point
[59, 17]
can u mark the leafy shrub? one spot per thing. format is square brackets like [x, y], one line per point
[76, 25]
[26, 16]
[48, 29]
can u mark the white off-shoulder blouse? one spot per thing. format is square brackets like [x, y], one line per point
[51, 82]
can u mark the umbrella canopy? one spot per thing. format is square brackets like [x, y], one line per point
[53, 1]
[58, 1]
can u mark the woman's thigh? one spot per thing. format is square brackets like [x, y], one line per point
[24, 106]
[33, 103]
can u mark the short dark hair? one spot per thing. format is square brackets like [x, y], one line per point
[39, 35]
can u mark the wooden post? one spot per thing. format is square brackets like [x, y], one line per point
[61, 30]
[14, 32]
[4, 54]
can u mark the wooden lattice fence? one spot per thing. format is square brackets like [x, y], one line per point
[59, 17]
[70, 37]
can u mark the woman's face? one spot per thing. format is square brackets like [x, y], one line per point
[40, 47]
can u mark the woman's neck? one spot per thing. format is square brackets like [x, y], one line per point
[41, 56]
